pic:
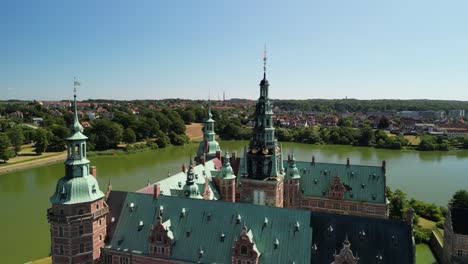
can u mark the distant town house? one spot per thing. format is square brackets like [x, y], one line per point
[16, 114]
[38, 121]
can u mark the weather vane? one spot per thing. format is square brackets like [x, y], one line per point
[264, 59]
[75, 84]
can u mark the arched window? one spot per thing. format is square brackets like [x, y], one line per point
[243, 250]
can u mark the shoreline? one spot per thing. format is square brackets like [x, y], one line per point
[62, 156]
[33, 163]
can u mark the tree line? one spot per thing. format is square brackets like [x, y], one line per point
[158, 128]
[354, 105]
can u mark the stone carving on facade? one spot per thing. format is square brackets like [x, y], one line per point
[346, 255]
[160, 239]
[336, 189]
[244, 249]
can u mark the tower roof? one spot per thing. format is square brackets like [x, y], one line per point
[227, 171]
[292, 172]
[76, 129]
[190, 189]
[78, 185]
[264, 80]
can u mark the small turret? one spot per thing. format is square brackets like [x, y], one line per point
[292, 172]
[209, 145]
[190, 189]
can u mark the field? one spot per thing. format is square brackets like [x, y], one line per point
[413, 140]
[194, 131]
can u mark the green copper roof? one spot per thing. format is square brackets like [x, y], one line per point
[173, 185]
[203, 223]
[226, 171]
[77, 186]
[77, 136]
[363, 183]
[191, 189]
[213, 146]
[76, 190]
[292, 171]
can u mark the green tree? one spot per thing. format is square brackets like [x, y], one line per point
[346, 122]
[16, 138]
[106, 134]
[366, 136]
[41, 138]
[384, 123]
[162, 139]
[230, 131]
[128, 136]
[465, 143]
[308, 135]
[284, 134]
[58, 138]
[164, 122]
[177, 139]
[427, 143]
[398, 205]
[460, 199]
[5, 151]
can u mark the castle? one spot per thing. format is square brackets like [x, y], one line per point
[255, 209]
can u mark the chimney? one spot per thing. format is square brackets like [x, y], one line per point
[218, 154]
[347, 161]
[203, 159]
[156, 191]
[92, 171]
[384, 165]
[184, 168]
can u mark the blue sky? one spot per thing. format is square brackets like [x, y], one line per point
[190, 49]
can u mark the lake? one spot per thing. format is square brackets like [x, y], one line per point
[428, 176]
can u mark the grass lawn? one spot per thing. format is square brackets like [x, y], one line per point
[27, 154]
[424, 254]
[413, 140]
[424, 223]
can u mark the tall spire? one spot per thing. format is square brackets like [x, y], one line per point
[209, 107]
[77, 127]
[264, 62]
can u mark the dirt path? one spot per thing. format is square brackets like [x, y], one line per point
[33, 163]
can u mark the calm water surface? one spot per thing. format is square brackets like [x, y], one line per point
[428, 176]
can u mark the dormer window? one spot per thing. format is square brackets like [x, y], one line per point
[243, 250]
